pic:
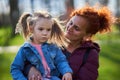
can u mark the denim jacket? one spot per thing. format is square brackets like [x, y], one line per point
[56, 60]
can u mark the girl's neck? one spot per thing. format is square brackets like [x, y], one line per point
[35, 42]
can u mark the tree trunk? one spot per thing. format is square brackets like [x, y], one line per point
[104, 2]
[14, 14]
[32, 5]
[118, 13]
[69, 8]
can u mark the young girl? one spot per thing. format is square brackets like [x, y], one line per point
[43, 34]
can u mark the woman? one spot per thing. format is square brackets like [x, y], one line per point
[82, 26]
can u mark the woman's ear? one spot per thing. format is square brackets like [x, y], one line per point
[87, 37]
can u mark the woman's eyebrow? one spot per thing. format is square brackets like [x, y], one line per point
[75, 26]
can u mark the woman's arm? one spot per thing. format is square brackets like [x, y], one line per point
[90, 70]
[31, 72]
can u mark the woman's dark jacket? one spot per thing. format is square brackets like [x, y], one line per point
[89, 71]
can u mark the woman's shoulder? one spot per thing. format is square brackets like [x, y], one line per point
[91, 45]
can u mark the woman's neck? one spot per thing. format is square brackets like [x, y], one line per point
[73, 45]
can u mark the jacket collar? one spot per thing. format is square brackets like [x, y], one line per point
[90, 44]
[27, 44]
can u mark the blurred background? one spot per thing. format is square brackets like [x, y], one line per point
[10, 10]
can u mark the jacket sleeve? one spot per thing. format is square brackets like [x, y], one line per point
[17, 66]
[61, 62]
[27, 68]
[89, 71]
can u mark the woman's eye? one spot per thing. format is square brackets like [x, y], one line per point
[71, 23]
[76, 28]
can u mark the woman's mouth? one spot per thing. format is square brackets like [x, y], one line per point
[69, 33]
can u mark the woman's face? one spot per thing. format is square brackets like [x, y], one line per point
[76, 28]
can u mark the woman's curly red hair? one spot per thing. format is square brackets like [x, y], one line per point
[99, 20]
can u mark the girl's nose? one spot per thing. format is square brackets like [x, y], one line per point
[45, 32]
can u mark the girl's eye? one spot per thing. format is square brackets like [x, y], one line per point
[48, 29]
[40, 29]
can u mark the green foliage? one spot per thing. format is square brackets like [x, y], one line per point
[5, 34]
[108, 70]
[109, 56]
[114, 35]
[6, 39]
[5, 62]
[17, 40]
[109, 61]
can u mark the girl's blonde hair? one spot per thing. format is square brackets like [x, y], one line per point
[27, 20]
[21, 26]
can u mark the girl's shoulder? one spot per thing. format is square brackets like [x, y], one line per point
[25, 45]
[51, 46]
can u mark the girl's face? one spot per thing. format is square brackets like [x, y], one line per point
[76, 28]
[42, 30]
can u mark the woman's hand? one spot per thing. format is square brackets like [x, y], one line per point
[34, 74]
[67, 76]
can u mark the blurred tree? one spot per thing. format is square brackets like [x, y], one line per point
[118, 13]
[14, 14]
[32, 5]
[87, 1]
[104, 2]
[4, 13]
[47, 3]
[69, 8]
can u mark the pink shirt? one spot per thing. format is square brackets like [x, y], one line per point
[45, 65]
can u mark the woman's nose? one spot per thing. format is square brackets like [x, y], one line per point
[70, 28]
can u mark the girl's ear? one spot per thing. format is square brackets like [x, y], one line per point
[31, 29]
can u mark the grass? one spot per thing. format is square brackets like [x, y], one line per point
[108, 70]
[109, 62]
[5, 62]
[109, 55]
[4, 35]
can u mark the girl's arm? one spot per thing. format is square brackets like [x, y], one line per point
[61, 62]
[17, 66]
